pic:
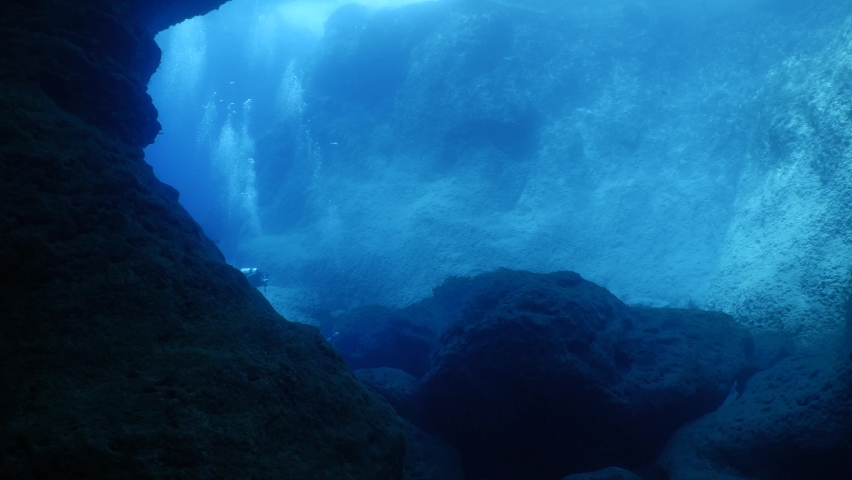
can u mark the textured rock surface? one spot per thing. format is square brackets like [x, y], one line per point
[157, 15]
[550, 135]
[430, 458]
[786, 257]
[544, 375]
[793, 421]
[396, 386]
[129, 348]
[427, 457]
[377, 336]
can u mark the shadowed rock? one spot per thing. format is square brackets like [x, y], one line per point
[792, 421]
[396, 386]
[611, 473]
[544, 375]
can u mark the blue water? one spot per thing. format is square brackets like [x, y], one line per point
[366, 159]
[223, 77]
[693, 154]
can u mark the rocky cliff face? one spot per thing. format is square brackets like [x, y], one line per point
[129, 348]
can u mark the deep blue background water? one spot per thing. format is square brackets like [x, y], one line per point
[642, 144]
[223, 80]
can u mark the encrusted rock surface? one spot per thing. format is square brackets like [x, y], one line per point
[396, 386]
[785, 260]
[129, 348]
[157, 15]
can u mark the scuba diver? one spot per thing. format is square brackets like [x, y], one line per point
[256, 277]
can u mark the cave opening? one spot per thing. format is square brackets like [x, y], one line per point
[682, 154]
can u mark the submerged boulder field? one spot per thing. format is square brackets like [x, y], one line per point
[129, 348]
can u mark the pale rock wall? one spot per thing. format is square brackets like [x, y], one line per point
[785, 263]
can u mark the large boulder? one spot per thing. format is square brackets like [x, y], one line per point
[130, 349]
[611, 473]
[792, 421]
[547, 375]
[427, 457]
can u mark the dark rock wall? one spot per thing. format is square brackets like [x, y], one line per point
[547, 136]
[129, 348]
